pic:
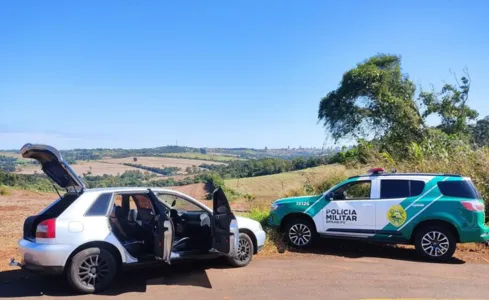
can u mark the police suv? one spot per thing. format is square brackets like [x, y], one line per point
[431, 211]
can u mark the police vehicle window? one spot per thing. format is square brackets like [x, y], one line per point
[353, 191]
[417, 187]
[458, 189]
[100, 206]
[394, 188]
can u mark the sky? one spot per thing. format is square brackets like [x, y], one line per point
[134, 74]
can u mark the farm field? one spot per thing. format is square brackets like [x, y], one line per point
[215, 157]
[160, 162]
[272, 187]
[114, 166]
[11, 154]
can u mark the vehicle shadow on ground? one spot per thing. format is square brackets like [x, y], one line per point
[360, 249]
[19, 283]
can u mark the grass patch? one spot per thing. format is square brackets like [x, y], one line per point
[200, 156]
[4, 191]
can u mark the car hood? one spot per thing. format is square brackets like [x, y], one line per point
[248, 223]
[293, 200]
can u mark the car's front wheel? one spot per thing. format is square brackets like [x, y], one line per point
[300, 233]
[244, 252]
[435, 243]
[91, 270]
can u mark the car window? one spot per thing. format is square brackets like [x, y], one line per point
[458, 189]
[417, 187]
[100, 206]
[394, 188]
[358, 190]
[180, 203]
[400, 188]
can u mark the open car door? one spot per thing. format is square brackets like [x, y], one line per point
[225, 228]
[53, 165]
[163, 229]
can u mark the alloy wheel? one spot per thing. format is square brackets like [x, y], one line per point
[435, 243]
[92, 270]
[244, 250]
[300, 234]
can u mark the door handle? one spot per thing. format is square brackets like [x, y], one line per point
[367, 205]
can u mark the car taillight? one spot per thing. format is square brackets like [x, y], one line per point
[473, 205]
[46, 229]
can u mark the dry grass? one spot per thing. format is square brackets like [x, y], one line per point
[96, 167]
[114, 166]
[272, 187]
[208, 156]
[160, 162]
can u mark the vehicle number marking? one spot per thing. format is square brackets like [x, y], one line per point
[303, 203]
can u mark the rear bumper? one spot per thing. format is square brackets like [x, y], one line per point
[44, 257]
[480, 234]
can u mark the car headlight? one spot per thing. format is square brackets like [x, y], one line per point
[274, 206]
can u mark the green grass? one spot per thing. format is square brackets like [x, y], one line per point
[211, 157]
[272, 187]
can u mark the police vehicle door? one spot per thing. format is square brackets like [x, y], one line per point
[399, 201]
[351, 209]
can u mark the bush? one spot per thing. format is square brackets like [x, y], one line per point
[259, 214]
[4, 191]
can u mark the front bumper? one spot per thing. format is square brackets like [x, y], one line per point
[44, 257]
[261, 236]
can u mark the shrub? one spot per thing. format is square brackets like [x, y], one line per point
[4, 191]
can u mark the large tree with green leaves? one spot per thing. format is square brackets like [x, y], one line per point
[374, 100]
[451, 105]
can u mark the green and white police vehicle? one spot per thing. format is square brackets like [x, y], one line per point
[431, 211]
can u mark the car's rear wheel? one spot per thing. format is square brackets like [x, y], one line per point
[300, 233]
[435, 243]
[91, 270]
[244, 252]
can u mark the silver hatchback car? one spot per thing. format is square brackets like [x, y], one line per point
[91, 234]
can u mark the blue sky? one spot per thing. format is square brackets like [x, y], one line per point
[135, 74]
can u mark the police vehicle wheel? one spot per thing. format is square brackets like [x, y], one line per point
[435, 243]
[300, 233]
[91, 270]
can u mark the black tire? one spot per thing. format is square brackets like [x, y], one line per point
[435, 243]
[300, 233]
[91, 270]
[244, 252]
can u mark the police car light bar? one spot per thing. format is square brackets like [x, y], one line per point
[376, 171]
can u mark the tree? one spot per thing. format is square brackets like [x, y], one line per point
[195, 169]
[135, 159]
[374, 100]
[203, 150]
[188, 170]
[480, 132]
[451, 105]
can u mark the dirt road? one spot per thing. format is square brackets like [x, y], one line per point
[304, 277]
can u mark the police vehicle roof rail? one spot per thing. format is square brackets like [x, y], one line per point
[408, 174]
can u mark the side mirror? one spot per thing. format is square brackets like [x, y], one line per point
[328, 196]
[173, 203]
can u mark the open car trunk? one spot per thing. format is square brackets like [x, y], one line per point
[52, 211]
[56, 168]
